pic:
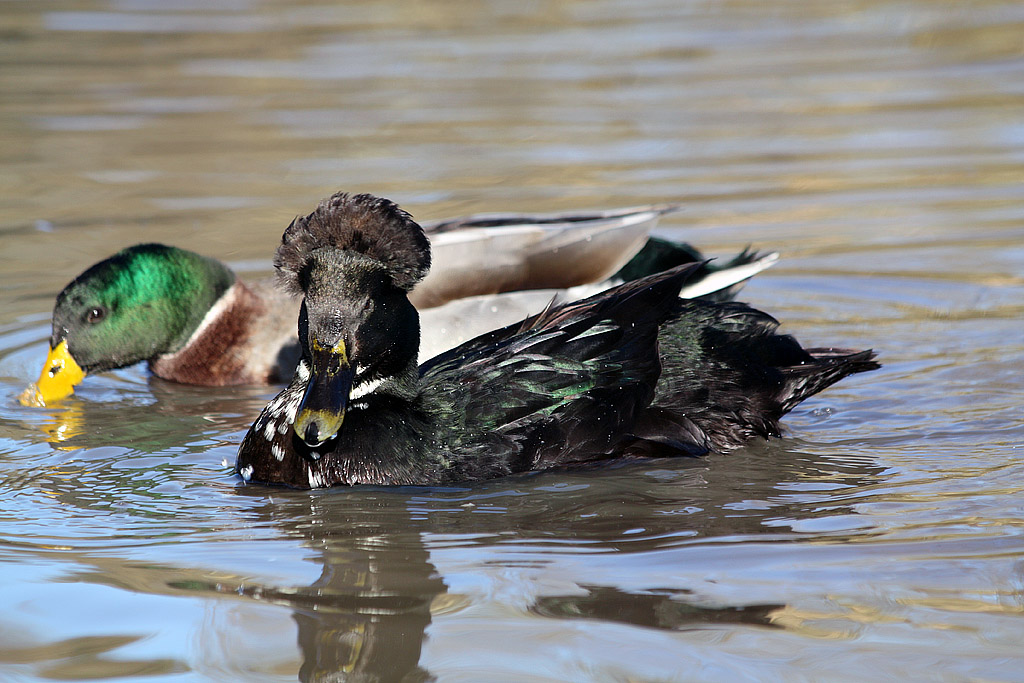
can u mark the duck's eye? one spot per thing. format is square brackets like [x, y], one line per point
[96, 314]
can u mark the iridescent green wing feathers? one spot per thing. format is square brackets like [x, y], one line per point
[558, 389]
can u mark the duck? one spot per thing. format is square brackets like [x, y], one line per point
[633, 371]
[195, 322]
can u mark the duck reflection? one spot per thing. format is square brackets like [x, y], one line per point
[384, 553]
[665, 608]
[149, 419]
[364, 621]
[365, 617]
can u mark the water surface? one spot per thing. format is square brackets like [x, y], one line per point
[878, 145]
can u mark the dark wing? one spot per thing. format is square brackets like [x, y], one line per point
[562, 387]
[268, 453]
[728, 376]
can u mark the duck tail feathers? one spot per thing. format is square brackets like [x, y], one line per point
[722, 284]
[829, 365]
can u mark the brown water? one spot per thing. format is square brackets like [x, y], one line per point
[878, 145]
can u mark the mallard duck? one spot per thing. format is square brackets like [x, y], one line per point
[632, 371]
[195, 322]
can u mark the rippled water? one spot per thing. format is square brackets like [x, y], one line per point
[878, 145]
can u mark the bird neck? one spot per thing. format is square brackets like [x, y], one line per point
[212, 354]
[403, 385]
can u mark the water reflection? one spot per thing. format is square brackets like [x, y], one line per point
[71, 658]
[364, 618]
[657, 608]
[159, 418]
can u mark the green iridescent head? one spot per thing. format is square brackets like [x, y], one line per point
[140, 303]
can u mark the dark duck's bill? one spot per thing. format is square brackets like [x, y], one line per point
[632, 371]
[322, 409]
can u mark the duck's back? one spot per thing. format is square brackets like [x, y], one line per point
[562, 388]
[633, 371]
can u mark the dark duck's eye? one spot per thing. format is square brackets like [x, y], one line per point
[96, 314]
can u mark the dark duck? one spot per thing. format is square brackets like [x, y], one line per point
[632, 371]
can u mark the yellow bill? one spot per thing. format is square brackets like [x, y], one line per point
[58, 379]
